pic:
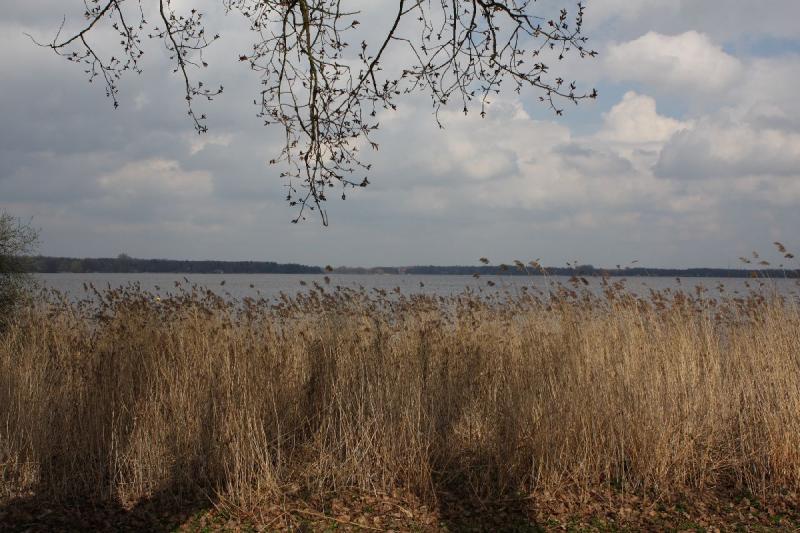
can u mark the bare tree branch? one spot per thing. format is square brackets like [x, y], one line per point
[326, 97]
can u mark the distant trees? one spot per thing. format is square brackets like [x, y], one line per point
[125, 264]
[326, 93]
[17, 241]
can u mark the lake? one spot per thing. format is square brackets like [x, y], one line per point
[272, 285]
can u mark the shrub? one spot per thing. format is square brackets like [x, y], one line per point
[17, 241]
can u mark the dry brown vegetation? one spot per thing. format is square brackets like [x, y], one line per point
[125, 396]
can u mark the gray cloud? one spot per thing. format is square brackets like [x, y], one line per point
[592, 162]
[730, 150]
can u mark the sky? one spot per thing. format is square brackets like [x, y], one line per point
[690, 156]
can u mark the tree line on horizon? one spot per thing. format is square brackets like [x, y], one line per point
[124, 264]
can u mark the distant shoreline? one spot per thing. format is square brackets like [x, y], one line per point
[130, 265]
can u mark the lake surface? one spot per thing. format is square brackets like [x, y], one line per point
[272, 285]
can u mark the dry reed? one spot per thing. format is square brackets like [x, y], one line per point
[128, 396]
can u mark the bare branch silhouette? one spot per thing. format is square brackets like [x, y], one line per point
[327, 98]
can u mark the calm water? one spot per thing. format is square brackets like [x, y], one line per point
[272, 285]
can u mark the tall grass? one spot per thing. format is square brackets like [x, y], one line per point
[130, 395]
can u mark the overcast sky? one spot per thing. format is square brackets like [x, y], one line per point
[689, 157]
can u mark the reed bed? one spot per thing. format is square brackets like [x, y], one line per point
[127, 395]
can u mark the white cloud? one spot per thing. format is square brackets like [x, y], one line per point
[492, 148]
[687, 61]
[509, 160]
[636, 120]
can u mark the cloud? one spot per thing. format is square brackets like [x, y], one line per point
[725, 149]
[153, 179]
[494, 147]
[593, 161]
[511, 161]
[769, 91]
[689, 61]
[770, 116]
[636, 120]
